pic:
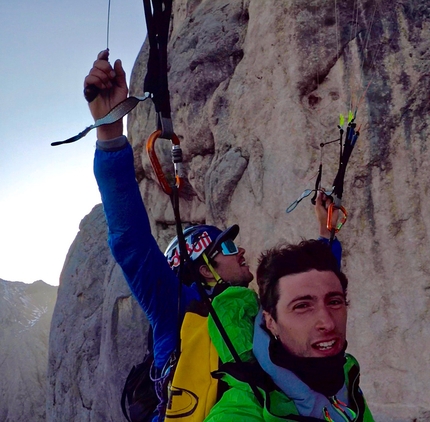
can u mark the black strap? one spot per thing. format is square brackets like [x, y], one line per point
[124, 396]
[253, 374]
[157, 15]
[317, 185]
[184, 258]
[345, 153]
[299, 418]
[357, 400]
[226, 338]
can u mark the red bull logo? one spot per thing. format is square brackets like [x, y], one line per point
[194, 250]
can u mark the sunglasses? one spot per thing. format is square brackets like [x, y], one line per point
[304, 195]
[227, 248]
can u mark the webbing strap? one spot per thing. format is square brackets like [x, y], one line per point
[217, 277]
[345, 153]
[317, 183]
[184, 258]
[117, 113]
[226, 338]
[157, 15]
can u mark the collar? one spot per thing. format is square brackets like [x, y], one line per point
[307, 401]
[324, 375]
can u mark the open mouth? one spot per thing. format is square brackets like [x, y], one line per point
[242, 262]
[324, 345]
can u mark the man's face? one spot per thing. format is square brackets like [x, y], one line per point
[233, 268]
[311, 314]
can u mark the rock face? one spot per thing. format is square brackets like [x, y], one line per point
[25, 317]
[255, 87]
[97, 333]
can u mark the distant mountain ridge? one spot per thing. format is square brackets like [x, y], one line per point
[25, 319]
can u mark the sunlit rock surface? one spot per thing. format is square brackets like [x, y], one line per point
[255, 87]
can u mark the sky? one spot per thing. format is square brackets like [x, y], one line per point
[47, 48]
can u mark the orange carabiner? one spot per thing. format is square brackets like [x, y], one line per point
[150, 149]
[342, 221]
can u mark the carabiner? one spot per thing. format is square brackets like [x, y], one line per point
[342, 221]
[177, 159]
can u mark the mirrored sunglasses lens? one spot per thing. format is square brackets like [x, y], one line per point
[228, 247]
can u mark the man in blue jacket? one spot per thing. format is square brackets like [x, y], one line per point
[146, 270]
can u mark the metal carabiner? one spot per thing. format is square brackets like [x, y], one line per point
[177, 160]
[342, 221]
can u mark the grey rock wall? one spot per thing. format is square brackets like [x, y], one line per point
[255, 87]
[97, 332]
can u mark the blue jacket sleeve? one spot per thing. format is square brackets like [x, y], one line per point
[336, 248]
[152, 282]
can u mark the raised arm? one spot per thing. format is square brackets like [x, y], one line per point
[145, 268]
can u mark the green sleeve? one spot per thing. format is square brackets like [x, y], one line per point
[236, 307]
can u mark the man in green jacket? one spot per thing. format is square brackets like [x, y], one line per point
[298, 339]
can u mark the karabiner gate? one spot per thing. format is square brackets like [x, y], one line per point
[334, 228]
[176, 158]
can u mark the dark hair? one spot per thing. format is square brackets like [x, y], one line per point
[290, 259]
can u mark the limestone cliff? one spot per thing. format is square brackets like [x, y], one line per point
[255, 87]
[97, 332]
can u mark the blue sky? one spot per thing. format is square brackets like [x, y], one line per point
[46, 49]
